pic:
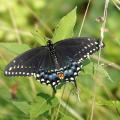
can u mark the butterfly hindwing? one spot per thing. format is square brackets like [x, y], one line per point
[52, 77]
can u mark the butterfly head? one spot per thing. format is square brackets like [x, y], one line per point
[50, 46]
[49, 42]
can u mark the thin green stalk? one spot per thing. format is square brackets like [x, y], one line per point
[84, 18]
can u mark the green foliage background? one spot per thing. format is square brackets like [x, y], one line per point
[23, 98]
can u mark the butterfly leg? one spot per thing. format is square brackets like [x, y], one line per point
[54, 90]
[75, 83]
[72, 79]
[53, 87]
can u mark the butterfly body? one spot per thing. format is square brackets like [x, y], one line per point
[54, 63]
[52, 53]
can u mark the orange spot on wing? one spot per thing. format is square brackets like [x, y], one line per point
[60, 75]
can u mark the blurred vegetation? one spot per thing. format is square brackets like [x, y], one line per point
[25, 24]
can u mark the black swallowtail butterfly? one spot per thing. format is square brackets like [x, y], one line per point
[54, 63]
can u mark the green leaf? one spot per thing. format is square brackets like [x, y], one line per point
[4, 89]
[65, 27]
[42, 105]
[39, 37]
[89, 68]
[110, 103]
[22, 106]
[100, 71]
[14, 47]
[67, 118]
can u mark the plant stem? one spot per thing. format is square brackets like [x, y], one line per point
[54, 108]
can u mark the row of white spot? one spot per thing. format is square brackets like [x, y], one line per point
[87, 54]
[48, 81]
[18, 73]
[55, 83]
[17, 67]
[91, 51]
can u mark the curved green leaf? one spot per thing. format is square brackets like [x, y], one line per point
[65, 27]
[22, 106]
[42, 105]
[15, 47]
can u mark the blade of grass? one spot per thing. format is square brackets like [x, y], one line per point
[12, 17]
[84, 18]
[102, 37]
[36, 16]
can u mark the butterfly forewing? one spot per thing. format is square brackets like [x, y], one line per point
[27, 63]
[76, 49]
